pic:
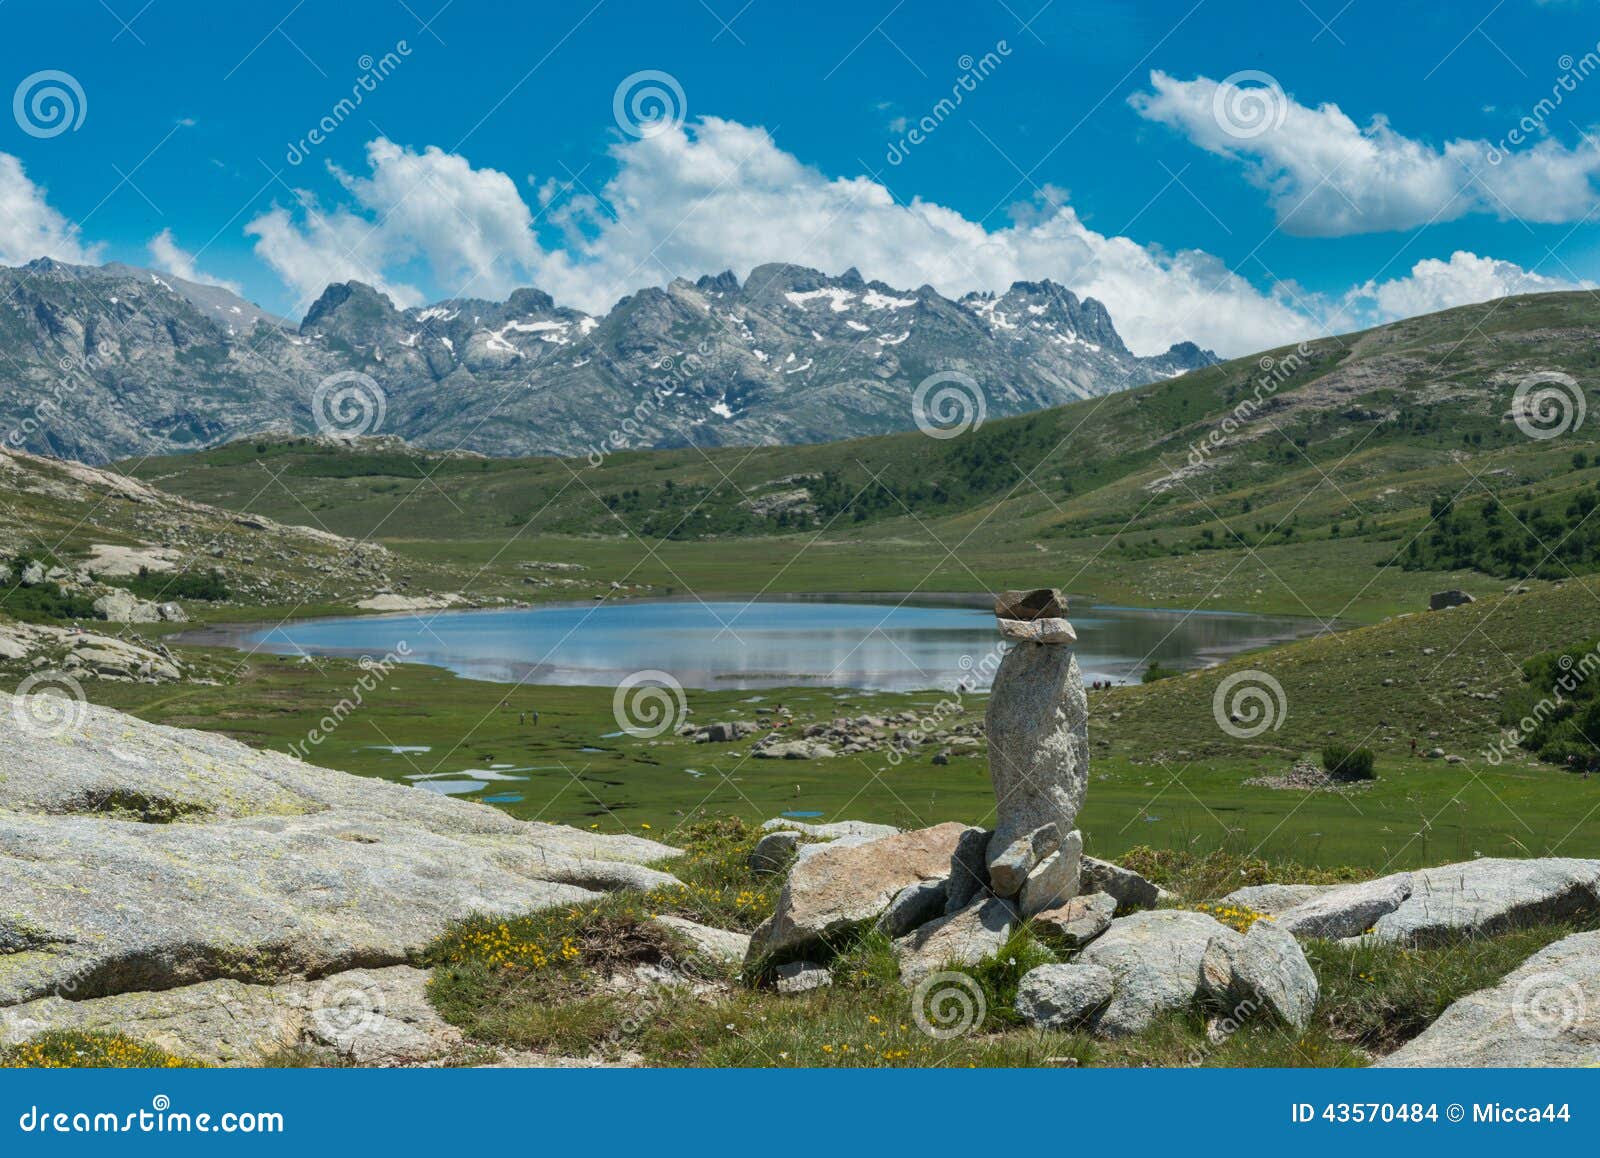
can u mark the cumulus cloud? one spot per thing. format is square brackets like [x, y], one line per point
[716, 195]
[1327, 176]
[169, 257]
[1434, 285]
[470, 227]
[29, 227]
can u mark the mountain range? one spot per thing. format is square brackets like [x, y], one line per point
[108, 362]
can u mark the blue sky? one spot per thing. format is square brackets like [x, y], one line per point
[1092, 144]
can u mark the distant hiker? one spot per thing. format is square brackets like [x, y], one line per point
[535, 719]
[522, 718]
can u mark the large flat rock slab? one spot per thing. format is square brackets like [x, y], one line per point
[1544, 1013]
[378, 1017]
[268, 869]
[1489, 895]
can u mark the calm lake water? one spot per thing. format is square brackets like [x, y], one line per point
[846, 641]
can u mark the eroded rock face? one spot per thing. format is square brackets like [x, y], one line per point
[137, 857]
[1128, 888]
[834, 887]
[1273, 899]
[1490, 895]
[1266, 968]
[1054, 880]
[1077, 922]
[1037, 723]
[1546, 1012]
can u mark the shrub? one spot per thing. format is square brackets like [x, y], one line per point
[209, 587]
[1156, 672]
[1343, 762]
[1558, 709]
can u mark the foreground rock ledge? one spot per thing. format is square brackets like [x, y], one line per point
[269, 870]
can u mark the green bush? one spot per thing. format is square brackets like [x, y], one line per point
[1343, 762]
[209, 586]
[1156, 672]
[1557, 711]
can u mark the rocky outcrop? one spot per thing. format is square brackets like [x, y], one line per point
[1126, 887]
[1266, 968]
[722, 945]
[1274, 899]
[957, 940]
[1348, 911]
[1546, 1012]
[1076, 923]
[137, 857]
[837, 887]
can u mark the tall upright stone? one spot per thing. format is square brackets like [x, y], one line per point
[1038, 728]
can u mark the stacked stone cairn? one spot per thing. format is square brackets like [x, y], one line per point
[950, 896]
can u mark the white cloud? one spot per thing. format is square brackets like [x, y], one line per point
[29, 227]
[720, 195]
[170, 257]
[1326, 176]
[469, 225]
[1434, 285]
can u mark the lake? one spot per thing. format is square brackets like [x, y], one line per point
[869, 642]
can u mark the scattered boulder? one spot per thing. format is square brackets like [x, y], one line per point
[774, 851]
[723, 945]
[723, 733]
[1154, 958]
[1063, 996]
[1546, 1012]
[1077, 922]
[1267, 968]
[1130, 890]
[836, 887]
[120, 606]
[1440, 600]
[1054, 880]
[1008, 871]
[957, 939]
[802, 977]
[795, 750]
[1347, 911]
[915, 905]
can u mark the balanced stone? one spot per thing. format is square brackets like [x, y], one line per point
[1040, 603]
